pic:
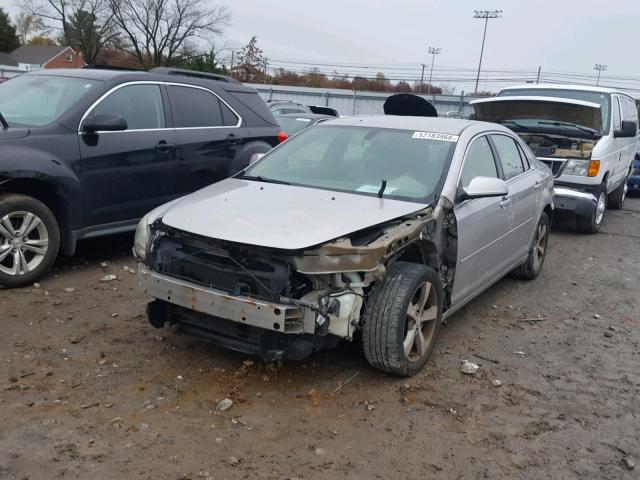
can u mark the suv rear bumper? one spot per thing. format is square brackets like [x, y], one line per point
[578, 202]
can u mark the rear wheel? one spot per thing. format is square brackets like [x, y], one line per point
[537, 252]
[29, 240]
[617, 197]
[593, 222]
[402, 319]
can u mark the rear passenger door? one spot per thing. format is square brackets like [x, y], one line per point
[209, 135]
[482, 225]
[524, 184]
[127, 173]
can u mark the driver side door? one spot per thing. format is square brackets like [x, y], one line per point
[482, 224]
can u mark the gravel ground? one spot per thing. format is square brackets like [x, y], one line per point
[89, 390]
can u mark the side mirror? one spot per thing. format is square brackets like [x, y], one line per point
[627, 129]
[104, 123]
[255, 157]
[480, 187]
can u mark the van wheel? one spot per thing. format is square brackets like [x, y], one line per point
[29, 240]
[593, 222]
[617, 197]
[530, 269]
[402, 319]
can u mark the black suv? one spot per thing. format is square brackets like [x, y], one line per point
[88, 152]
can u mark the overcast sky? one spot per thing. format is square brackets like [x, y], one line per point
[560, 35]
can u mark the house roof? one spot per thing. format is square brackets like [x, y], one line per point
[6, 59]
[37, 54]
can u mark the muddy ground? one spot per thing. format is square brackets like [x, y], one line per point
[89, 390]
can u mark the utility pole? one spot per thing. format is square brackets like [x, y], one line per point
[422, 78]
[539, 70]
[433, 51]
[600, 68]
[486, 14]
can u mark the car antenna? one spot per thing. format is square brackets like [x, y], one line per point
[382, 188]
[4, 123]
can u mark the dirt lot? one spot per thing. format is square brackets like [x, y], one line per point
[89, 390]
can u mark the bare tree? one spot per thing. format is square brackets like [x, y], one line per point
[251, 63]
[28, 25]
[86, 25]
[156, 31]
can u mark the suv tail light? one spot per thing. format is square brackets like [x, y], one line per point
[282, 136]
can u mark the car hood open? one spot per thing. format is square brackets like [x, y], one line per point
[553, 109]
[280, 216]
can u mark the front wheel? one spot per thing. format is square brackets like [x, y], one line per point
[402, 319]
[617, 197]
[29, 240]
[593, 222]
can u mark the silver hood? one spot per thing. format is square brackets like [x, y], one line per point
[279, 216]
[497, 109]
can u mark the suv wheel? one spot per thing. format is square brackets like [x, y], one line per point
[29, 240]
[530, 269]
[617, 197]
[402, 319]
[593, 222]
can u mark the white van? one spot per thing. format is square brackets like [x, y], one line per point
[586, 135]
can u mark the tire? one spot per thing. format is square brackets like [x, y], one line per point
[617, 197]
[530, 269]
[26, 256]
[593, 222]
[389, 322]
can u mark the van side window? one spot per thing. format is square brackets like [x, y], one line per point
[479, 162]
[616, 113]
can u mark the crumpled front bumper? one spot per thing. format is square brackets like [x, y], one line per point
[576, 201]
[277, 317]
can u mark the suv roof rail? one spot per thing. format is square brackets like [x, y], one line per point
[98, 66]
[194, 74]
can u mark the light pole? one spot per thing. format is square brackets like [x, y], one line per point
[600, 68]
[486, 14]
[433, 51]
[422, 78]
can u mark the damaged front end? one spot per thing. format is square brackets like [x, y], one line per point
[278, 303]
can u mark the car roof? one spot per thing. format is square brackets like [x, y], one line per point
[453, 126]
[555, 86]
[311, 116]
[138, 75]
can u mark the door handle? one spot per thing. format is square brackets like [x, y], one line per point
[505, 202]
[164, 147]
[538, 185]
[233, 139]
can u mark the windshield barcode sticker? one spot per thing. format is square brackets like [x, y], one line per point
[444, 137]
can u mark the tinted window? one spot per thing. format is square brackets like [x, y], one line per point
[509, 156]
[479, 162]
[359, 160]
[228, 117]
[36, 100]
[140, 105]
[193, 107]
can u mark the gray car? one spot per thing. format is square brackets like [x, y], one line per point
[371, 227]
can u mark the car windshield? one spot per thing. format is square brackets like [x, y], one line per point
[294, 125]
[602, 99]
[410, 165]
[37, 100]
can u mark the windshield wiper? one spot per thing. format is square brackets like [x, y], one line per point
[260, 178]
[4, 123]
[569, 124]
[512, 122]
[383, 187]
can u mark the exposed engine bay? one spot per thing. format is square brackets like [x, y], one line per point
[558, 146]
[318, 293]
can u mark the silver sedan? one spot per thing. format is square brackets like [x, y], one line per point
[382, 225]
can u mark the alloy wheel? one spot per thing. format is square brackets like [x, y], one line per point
[24, 242]
[539, 245]
[420, 325]
[601, 207]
